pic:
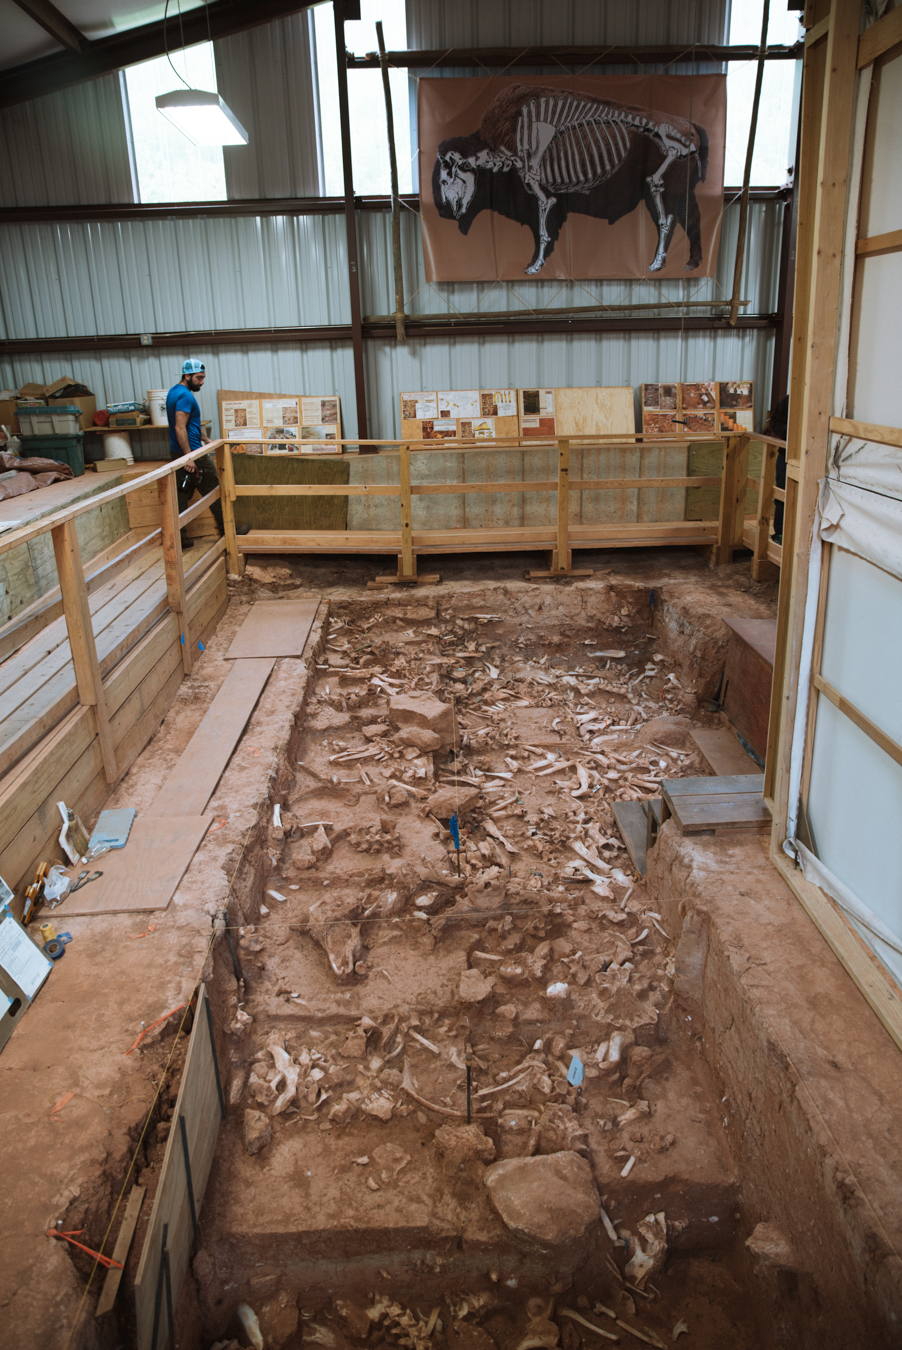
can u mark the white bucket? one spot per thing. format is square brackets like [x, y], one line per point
[156, 402]
[118, 445]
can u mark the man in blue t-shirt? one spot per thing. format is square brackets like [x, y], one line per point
[186, 434]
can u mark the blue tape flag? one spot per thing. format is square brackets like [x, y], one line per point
[201, 645]
[575, 1072]
[454, 827]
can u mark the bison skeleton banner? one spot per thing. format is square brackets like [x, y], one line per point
[613, 176]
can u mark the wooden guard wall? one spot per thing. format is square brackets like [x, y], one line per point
[568, 514]
[98, 713]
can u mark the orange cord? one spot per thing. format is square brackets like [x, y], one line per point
[98, 1256]
[157, 1023]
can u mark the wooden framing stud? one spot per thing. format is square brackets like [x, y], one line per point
[554, 568]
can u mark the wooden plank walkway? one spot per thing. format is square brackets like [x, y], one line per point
[37, 682]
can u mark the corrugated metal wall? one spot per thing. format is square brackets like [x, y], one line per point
[168, 276]
[267, 77]
[66, 148]
[433, 24]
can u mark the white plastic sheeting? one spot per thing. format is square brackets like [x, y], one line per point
[855, 796]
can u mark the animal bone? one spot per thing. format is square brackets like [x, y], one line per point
[568, 1312]
[492, 829]
[288, 1073]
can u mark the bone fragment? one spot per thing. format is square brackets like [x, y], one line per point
[492, 829]
[409, 1086]
[487, 1092]
[583, 774]
[288, 1073]
[248, 1319]
[628, 1167]
[422, 1039]
[568, 1312]
[608, 1226]
[589, 855]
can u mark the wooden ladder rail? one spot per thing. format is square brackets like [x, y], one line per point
[80, 628]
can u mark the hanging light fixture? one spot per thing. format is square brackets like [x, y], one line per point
[204, 117]
[199, 114]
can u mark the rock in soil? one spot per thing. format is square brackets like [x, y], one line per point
[257, 1131]
[551, 1199]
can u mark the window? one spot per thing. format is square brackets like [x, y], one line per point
[775, 135]
[369, 138]
[167, 166]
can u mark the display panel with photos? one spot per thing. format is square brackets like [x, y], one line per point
[459, 414]
[702, 408]
[281, 424]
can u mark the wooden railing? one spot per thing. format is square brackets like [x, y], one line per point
[722, 534]
[71, 600]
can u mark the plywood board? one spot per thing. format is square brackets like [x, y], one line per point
[274, 628]
[201, 765]
[145, 874]
[595, 411]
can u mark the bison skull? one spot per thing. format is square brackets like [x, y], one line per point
[457, 182]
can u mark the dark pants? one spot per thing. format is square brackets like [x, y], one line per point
[205, 481]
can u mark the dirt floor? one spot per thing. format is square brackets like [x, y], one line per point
[382, 968]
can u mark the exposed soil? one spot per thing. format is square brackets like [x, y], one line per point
[381, 961]
[349, 1202]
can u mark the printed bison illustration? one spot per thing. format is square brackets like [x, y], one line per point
[541, 153]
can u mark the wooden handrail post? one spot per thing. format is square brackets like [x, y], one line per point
[406, 564]
[227, 489]
[172, 563]
[729, 489]
[742, 487]
[80, 628]
[563, 506]
[762, 568]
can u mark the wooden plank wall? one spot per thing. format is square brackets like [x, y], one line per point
[704, 460]
[198, 1102]
[66, 765]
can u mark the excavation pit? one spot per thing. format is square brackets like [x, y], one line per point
[379, 968]
[366, 1212]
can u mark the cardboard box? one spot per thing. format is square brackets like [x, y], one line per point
[128, 419]
[32, 391]
[8, 414]
[88, 405]
[110, 465]
[62, 383]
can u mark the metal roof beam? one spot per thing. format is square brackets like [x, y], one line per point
[55, 23]
[49, 74]
[637, 57]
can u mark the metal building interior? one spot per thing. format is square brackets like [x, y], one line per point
[447, 889]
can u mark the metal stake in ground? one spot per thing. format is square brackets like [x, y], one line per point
[468, 1060]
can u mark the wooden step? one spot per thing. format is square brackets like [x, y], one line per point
[704, 804]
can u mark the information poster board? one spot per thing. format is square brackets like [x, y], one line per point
[493, 414]
[464, 414]
[705, 408]
[280, 424]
